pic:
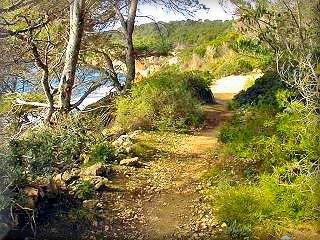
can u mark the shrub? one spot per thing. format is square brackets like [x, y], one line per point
[12, 113]
[47, 149]
[85, 190]
[102, 152]
[248, 205]
[165, 101]
[273, 138]
[271, 165]
[268, 90]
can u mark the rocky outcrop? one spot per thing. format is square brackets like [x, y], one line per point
[98, 174]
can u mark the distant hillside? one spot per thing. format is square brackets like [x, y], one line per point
[162, 37]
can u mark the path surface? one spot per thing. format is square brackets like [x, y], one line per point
[165, 200]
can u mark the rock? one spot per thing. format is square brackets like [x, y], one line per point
[223, 225]
[135, 134]
[286, 237]
[97, 169]
[32, 195]
[130, 161]
[98, 181]
[70, 176]
[90, 204]
[57, 183]
[120, 140]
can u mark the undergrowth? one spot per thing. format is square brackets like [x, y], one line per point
[168, 101]
[267, 176]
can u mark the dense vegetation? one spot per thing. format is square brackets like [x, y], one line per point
[163, 37]
[266, 178]
[165, 101]
[263, 179]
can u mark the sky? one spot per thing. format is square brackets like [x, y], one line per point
[215, 12]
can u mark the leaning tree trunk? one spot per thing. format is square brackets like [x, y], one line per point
[77, 13]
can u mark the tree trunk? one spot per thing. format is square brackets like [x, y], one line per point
[130, 64]
[47, 90]
[111, 72]
[128, 28]
[130, 57]
[77, 13]
[44, 80]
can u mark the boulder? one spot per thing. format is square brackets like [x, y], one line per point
[57, 183]
[130, 161]
[60, 181]
[70, 176]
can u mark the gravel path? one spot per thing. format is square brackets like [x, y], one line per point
[165, 199]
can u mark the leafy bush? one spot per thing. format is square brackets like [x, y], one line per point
[268, 90]
[102, 152]
[46, 149]
[165, 101]
[272, 152]
[248, 205]
[273, 138]
[85, 190]
[14, 113]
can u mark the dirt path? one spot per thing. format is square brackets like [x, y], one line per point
[164, 200]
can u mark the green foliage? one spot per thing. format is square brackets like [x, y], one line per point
[270, 169]
[273, 138]
[43, 150]
[237, 231]
[267, 90]
[231, 63]
[165, 101]
[246, 205]
[227, 38]
[102, 152]
[7, 103]
[6, 175]
[85, 190]
[163, 37]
